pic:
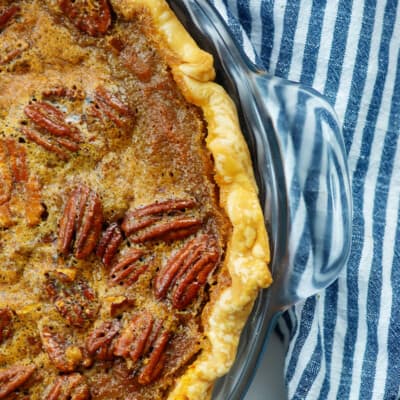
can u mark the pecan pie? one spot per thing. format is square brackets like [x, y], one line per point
[132, 241]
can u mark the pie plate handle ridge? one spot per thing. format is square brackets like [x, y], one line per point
[301, 170]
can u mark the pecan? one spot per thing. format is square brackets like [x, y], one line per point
[14, 377]
[109, 243]
[144, 337]
[128, 269]
[120, 305]
[161, 221]
[81, 222]
[99, 342]
[75, 301]
[7, 14]
[62, 91]
[50, 118]
[91, 17]
[69, 387]
[140, 65]
[152, 369]
[33, 206]
[61, 137]
[187, 271]
[6, 322]
[108, 105]
[15, 179]
[56, 348]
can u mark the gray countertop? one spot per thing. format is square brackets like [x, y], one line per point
[268, 383]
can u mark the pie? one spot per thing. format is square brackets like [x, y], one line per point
[133, 244]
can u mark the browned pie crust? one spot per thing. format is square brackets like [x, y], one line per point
[133, 242]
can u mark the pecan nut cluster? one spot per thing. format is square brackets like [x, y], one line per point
[81, 223]
[74, 299]
[69, 387]
[187, 271]
[165, 220]
[108, 106]
[52, 131]
[91, 17]
[13, 378]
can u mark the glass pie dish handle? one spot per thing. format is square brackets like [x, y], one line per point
[301, 171]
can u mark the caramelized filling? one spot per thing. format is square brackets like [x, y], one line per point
[111, 236]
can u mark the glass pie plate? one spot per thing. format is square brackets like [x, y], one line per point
[300, 167]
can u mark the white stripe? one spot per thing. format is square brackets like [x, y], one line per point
[327, 31]
[299, 41]
[279, 12]
[369, 192]
[248, 48]
[256, 28]
[220, 6]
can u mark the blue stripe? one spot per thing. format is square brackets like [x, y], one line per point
[244, 15]
[330, 318]
[338, 48]
[289, 30]
[268, 31]
[311, 48]
[311, 371]
[393, 348]
[306, 320]
[359, 77]
[233, 25]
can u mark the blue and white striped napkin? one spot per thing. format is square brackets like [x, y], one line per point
[344, 343]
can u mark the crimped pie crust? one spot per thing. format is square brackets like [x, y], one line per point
[246, 254]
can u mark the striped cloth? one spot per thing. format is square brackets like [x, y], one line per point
[344, 343]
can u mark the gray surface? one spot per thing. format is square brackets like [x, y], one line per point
[268, 383]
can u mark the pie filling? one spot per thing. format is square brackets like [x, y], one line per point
[112, 239]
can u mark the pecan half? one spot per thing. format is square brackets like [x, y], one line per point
[187, 271]
[139, 64]
[99, 342]
[128, 269]
[81, 223]
[120, 305]
[7, 14]
[144, 337]
[56, 348]
[91, 17]
[6, 322]
[64, 92]
[108, 105]
[163, 220]
[61, 137]
[14, 377]
[155, 363]
[69, 387]
[109, 243]
[75, 301]
[11, 53]
[15, 180]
